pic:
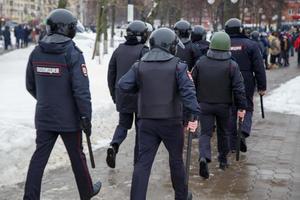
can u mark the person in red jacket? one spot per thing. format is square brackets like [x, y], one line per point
[297, 47]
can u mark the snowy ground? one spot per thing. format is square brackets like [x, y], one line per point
[286, 98]
[17, 108]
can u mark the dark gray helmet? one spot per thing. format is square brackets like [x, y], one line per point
[198, 33]
[137, 30]
[62, 22]
[165, 39]
[254, 35]
[233, 26]
[183, 29]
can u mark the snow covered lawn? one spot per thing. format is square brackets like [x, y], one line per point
[17, 109]
[286, 98]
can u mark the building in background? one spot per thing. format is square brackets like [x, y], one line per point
[291, 12]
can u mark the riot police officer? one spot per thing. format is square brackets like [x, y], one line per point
[126, 104]
[218, 80]
[200, 45]
[57, 78]
[247, 54]
[160, 102]
[183, 30]
[254, 35]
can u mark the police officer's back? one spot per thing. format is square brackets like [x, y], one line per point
[126, 104]
[248, 56]
[218, 81]
[200, 45]
[183, 30]
[162, 84]
[57, 78]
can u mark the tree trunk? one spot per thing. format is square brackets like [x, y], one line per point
[280, 4]
[113, 20]
[62, 3]
[99, 30]
[104, 22]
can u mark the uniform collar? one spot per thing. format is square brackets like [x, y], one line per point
[157, 54]
[218, 55]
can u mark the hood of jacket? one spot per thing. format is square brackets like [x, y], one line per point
[55, 44]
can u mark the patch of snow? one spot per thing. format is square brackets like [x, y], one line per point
[286, 98]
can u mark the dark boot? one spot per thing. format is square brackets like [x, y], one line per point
[96, 188]
[203, 168]
[111, 155]
[223, 165]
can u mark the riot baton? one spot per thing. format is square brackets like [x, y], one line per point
[238, 140]
[85, 123]
[262, 106]
[188, 161]
[88, 140]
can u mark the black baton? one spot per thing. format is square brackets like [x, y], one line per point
[262, 106]
[238, 140]
[88, 140]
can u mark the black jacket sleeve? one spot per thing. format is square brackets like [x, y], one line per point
[128, 83]
[187, 89]
[258, 68]
[112, 75]
[238, 87]
[30, 78]
[80, 86]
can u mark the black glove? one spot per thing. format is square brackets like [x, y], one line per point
[86, 126]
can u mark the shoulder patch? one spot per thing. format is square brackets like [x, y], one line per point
[236, 48]
[84, 70]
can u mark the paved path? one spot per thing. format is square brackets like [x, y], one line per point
[270, 169]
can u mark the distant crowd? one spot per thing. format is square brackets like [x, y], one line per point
[278, 47]
[23, 33]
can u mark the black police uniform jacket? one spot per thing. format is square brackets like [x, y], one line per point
[247, 55]
[200, 48]
[163, 86]
[218, 80]
[121, 61]
[187, 54]
[57, 78]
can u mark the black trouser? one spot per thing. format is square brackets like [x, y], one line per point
[151, 134]
[125, 123]
[209, 113]
[45, 141]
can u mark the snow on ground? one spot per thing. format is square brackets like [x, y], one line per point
[286, 98]
[17, 107]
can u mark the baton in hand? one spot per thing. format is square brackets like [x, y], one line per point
[238, 140]
[85, 123]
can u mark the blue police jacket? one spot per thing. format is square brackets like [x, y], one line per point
[57, 78]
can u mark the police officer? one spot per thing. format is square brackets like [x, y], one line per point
[183, 30]
[247, 54]
[57, 78]
[162, 84]
[254, 35]
[121, 61]
[200, 45]
[218, 80]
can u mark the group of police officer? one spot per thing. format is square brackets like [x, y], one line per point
[164, 90]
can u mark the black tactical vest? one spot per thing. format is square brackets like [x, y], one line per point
[128, 55]
[214, 81]
[186, 54]
[158, 94]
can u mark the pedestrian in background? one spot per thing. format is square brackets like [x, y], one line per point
[7, 39]
[275, 50]
[297, 48]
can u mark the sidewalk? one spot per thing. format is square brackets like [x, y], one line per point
[269, 170]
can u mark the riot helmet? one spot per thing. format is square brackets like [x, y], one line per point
[183, 29]
[198, 33]
[220, 41]
[254, 35]
[234, 26]
[62, 22]
[137, 30]
[165, 39]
